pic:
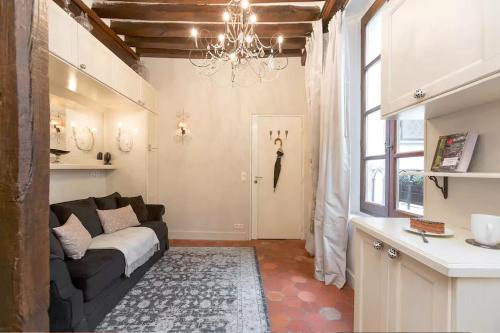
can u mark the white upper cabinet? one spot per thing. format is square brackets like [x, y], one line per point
[62, 34]
[125, 80]
[93, 57]
[148, 96]
[432, 47]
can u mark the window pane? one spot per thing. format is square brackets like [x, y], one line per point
[372, 86]
[410, 196]
[373, 37]
[410, 135]
[374, 134]
[375, 181]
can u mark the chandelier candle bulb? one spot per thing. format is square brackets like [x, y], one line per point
[194, 33]
[225, 16]
[244, 4]
[253, 18]
[280, 43]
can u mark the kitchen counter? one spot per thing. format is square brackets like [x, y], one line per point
[451, 256]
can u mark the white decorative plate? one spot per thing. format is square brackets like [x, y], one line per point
[447, 232]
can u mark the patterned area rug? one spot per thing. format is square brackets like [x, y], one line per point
[195, 289]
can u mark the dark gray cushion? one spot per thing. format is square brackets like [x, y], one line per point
[96, 270]
[55, 246]
[84, 209]
[137, 204]
[107, 202]
[53, 220]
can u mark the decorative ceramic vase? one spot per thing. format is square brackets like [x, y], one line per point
[107, 159]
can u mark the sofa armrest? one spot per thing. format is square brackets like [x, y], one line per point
[155, 212]
[66, 301]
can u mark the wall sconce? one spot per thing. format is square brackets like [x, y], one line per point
[182, 132]
[83, 137]
[125, 138]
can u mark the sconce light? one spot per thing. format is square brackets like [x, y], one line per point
[125, 138]
[83, 137]
[182, 132]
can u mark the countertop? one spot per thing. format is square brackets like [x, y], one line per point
[450, 256]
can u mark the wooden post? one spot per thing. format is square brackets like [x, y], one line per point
[24, 168]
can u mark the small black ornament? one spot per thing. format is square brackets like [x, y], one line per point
[107, 159]
[99, 156]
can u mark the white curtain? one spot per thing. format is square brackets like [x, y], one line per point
[332, 192]
[313, 75]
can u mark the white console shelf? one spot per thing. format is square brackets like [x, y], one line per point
[479, 175]
[65, 166]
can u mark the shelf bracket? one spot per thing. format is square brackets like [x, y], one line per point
[444, 188]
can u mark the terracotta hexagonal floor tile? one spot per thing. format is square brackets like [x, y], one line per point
[330, 313]
[275, 296]
[306, 296]
[293, 301]
[298, 279]
[269, 265]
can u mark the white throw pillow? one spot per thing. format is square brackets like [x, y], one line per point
[74, 238]
[117, 219]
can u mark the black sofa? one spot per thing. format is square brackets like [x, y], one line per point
[83, 291]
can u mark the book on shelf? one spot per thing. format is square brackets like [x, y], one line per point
[454, 152]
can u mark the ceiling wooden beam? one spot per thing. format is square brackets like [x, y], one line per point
[200, 13]
[150, 29]
[185, 54]
[330, 8]
[210, 2]
[187, 43]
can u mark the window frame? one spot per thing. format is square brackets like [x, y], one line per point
[391, 155]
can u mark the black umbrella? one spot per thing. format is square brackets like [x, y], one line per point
[277, 167]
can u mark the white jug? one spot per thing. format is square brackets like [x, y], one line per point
[486, 229]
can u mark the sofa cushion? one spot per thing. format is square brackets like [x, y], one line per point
[159, 227]
[107, 202]
[55, 246]
[96, 270]
[53, 220]
[137, 204]
[84, 209]
[117, 219]
[74, 238]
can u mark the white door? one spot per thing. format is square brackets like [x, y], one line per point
[277, 214]
[153, 163]
[372, 284]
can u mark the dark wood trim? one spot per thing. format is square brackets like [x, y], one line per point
[150, 29]
[187, 43]
[200, 13]
[329, 9]
[24, 175]
[103, 33]
[195, 54]
[367, 207]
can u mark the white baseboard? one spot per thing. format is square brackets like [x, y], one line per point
[351, 278]
[207, 235]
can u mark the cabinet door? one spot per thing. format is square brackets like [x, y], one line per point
[152, 177]
[125, 80]
[420, 297]
[372, 277]
[148, 96]
[93, 57]
[153, 130]
[62, 34]
[436, 46]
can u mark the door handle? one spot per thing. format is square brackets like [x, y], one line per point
[256, 179]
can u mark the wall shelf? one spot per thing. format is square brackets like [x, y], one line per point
[66, 166]
[486, 175]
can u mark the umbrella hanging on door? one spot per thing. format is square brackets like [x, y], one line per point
[277, 164]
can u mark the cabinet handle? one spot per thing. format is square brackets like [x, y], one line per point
[393, 253]
[83, 66]
[378, 245]
[419, 93]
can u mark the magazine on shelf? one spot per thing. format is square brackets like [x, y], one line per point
[454, 152]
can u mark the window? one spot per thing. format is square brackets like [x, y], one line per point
[391, 151]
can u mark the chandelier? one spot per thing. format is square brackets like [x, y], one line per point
[238, 46]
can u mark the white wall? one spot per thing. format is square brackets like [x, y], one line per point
[466, 196]
[200, 181]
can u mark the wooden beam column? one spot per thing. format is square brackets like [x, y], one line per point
[24, 171]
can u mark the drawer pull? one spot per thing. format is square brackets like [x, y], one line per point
[393, 253]
[378, 245]
[83, 66]
[419, 93]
